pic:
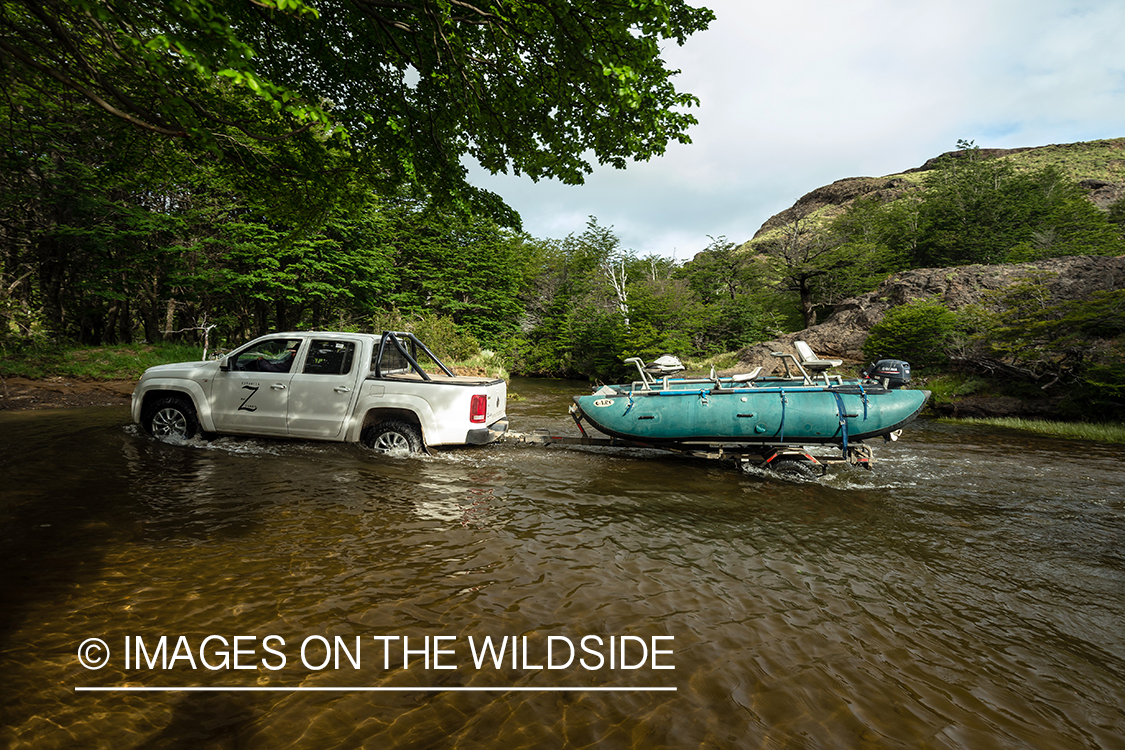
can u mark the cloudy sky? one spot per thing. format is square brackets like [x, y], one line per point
[796, 94]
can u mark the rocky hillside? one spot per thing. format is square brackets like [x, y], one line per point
[1099, 166]
[843, 333]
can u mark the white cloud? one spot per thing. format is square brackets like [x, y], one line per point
[797, 94]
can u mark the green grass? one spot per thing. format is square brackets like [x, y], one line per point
[945, 387]
[485, 362]
[1101, 433]
[1101, 160]
[121, 362]
[129, 361]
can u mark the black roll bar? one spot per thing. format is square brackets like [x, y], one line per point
[394, 337]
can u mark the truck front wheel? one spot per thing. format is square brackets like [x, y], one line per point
[393, 435]
[170, 418]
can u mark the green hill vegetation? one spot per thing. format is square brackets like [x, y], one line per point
[1087, 162]
[1093, 160]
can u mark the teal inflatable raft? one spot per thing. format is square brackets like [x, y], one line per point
[809, 407]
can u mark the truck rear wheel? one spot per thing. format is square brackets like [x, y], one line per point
[393, 435]
[170, 418]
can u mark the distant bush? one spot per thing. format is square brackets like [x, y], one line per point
[445, 339]
[981, 210]
[1116, 215]
[917, 332]
[440, 334]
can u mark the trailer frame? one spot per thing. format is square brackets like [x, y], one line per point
[783, 458]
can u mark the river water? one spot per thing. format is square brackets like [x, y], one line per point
[266, 594]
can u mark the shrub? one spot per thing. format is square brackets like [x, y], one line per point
[917, 332]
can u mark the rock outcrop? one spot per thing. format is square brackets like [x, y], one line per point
[842, 334]
[839, 194]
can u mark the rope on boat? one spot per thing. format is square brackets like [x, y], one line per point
[784, 401]
[844, 419]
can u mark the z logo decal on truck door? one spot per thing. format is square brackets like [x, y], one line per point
[253, 389]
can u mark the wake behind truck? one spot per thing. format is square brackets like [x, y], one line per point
[389, 392]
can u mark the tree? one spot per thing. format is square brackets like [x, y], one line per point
[572, 320]
[464, 268]
[400, 92]
[879, 237]
[982, 210]
[720, 271]
[1116, 216]
[85, 214]
[803, 255]
[735, 303]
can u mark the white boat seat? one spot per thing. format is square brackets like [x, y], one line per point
[744, 377]
[810, 361]
[665, 365]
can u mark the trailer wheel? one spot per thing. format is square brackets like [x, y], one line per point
[393, 435]
[792, 468]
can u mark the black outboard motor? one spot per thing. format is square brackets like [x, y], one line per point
[893, 373]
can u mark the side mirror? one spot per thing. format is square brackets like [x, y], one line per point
[224, 365]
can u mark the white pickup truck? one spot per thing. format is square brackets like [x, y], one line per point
[317, 385]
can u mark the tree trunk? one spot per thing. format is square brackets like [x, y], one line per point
[170, 316]
[125, 324]
[109, 329]
[51, 273]
[808, 310]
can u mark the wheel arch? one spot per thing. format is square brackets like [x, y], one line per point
[159, 391]
[382, 414]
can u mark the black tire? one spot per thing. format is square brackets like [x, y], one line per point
[170, 418]
[393, 435]
[790, 467]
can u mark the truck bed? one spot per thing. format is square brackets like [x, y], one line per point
[440, 378]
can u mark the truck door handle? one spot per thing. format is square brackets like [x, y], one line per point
[342, 389]
[278, 386]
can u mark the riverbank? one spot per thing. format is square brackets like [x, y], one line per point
[1099, 433]
[19, 393]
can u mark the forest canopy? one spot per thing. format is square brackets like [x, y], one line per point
[198, 163]
[393, 94]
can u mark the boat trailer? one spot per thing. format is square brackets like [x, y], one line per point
[783, 458]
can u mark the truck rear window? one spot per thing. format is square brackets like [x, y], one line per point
[329, 358]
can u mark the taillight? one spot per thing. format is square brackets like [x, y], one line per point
[478, 407]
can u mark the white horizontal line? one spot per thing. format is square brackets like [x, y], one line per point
[267, 689]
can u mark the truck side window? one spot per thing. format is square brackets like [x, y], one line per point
[272, 355]
[329, 358]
